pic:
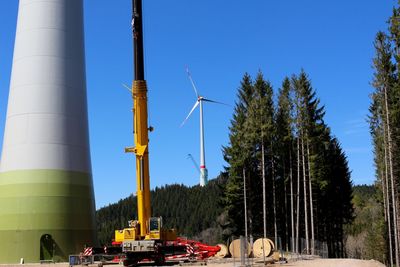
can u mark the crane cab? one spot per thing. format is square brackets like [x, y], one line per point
[155, 231]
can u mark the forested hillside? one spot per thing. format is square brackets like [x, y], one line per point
[193, 211]
[365, 238]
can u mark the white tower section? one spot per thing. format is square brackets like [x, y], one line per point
[203, 168]
[46, 190]
[46, 124]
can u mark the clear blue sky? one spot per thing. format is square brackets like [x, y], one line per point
[219, 41]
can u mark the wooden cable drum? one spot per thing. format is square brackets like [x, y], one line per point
[234, 248]
[258, 247]
[223, 251]
[272, 243]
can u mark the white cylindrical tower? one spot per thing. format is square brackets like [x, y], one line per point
[203, 169]
[46, 189]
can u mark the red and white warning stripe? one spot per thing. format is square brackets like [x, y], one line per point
[189, 252]
[189, 249]
[88, 251]
[176, 257]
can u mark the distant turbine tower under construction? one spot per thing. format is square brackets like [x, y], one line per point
[46, 189]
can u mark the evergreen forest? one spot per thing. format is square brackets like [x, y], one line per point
[364, 237]
[294, 171]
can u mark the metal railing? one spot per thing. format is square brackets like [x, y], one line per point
[80, 260]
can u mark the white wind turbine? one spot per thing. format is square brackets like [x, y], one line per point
[199, 102]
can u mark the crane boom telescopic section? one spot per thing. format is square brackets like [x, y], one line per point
[139, 95]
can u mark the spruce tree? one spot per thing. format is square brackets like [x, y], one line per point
[237, 155]
[284, 144]
[385, 134]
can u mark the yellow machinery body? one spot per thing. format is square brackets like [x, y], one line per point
[139, 95]
[146, 227]
[156, 232]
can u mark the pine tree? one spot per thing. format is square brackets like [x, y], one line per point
[300, 84]
[393, 99]
[260, 124]
[340, 195]
[284, 141]
[380, 158]
[261, 121]
[314, 170]
[381, 121]
[237, 155]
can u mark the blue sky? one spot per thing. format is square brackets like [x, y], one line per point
[219, 41]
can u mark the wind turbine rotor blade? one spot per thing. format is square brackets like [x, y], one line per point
[127, 87]
[191, 111]
[191, 80]
[194, 162]
[216, 102]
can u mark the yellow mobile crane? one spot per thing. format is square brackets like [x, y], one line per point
[145, 238]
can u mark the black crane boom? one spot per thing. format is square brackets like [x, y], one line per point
[137, 29]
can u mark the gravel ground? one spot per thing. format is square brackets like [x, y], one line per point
[335, 263]
[308, 263]
[231, 263]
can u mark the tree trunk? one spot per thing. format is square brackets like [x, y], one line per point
[291, 199]
[274, 196]
[382, 178]
[305, 195]
[245, 203]
[298, 195]
[285, 209]
[389, 219]
[397, 181]
[392, 181]
[311, 201]
[263, 189]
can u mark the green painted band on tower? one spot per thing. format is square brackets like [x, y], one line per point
[45, 214]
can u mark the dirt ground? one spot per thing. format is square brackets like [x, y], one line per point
[335, 263]
[310, 263]
[301, 263]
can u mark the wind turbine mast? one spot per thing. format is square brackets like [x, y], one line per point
[203, 169]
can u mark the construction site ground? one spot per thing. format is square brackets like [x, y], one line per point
[237, 263]
[303, 263]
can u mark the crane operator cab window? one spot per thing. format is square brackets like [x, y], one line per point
[155, 224]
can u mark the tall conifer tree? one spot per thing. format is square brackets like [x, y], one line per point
[284, 144]
[385, 133]
[237, 155]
